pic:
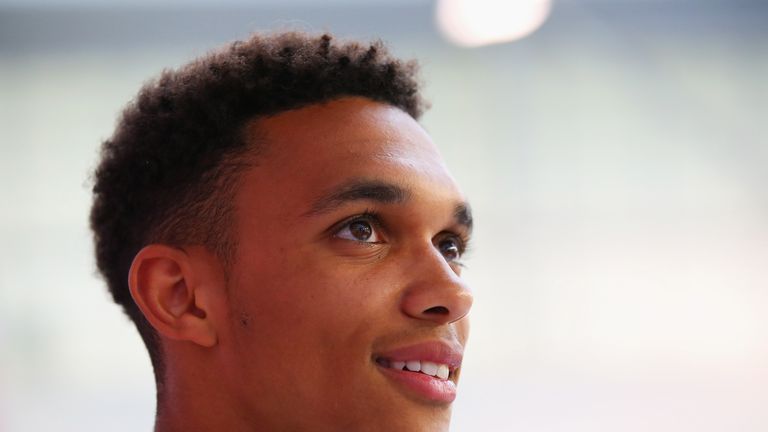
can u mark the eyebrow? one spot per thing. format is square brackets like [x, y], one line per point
[463, 215]
[379, 192]
[359, 190]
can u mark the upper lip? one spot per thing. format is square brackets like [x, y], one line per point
[436, 351]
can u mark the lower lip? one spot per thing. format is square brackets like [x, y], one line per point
[424, 386]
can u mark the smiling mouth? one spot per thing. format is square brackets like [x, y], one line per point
[436, 370]
[427, 371]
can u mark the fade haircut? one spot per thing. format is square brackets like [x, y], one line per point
[169, 172]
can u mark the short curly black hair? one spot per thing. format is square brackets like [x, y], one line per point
[169, 172]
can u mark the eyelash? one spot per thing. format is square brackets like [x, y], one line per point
[369, 216]
[372, 217]
[463, 246]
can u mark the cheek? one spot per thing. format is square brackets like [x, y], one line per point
[289, 310]
[304, 332]
[308, 340]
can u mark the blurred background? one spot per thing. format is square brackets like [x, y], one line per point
[615, 152]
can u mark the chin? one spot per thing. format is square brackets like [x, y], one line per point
[422, 419]
[409, 417]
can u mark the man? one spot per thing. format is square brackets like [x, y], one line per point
[288, 241]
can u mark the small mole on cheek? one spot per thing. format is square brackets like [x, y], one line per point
[244, 319]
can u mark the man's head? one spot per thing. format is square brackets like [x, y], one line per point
[285, 236]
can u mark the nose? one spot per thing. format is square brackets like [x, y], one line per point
[436, 293]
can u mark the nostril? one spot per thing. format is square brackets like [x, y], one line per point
[437, 310]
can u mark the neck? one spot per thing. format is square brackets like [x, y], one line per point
[191, 396]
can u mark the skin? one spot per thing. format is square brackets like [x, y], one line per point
[285, 337]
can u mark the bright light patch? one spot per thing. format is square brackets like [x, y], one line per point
[475, 23]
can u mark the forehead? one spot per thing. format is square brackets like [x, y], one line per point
[314, 147]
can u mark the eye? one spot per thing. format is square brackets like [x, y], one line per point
[451, 247]
[360, 230]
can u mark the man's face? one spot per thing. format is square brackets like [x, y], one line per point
[350, 232]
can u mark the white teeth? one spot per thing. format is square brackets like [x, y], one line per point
[429, 368]
[413, 365]
[443, 372]
[426, 367]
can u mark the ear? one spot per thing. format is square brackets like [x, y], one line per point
[171, 292]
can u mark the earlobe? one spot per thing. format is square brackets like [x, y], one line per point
[167, 290]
